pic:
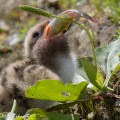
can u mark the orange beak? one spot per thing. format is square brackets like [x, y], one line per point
[47, 28]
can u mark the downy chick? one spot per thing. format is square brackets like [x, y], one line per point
[44, 59]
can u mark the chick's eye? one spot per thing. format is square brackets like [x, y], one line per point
[35, 34]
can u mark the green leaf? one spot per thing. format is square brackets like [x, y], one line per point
[115, 71]
[60, 116]
[36, 10]
[102, 55]
[112, 76]
[56, 90]
[108, 57]
[36, 117]
[3, 116]
[19, 118]
[113, 58]
[80, 68]
[38, 114]
[92, 73]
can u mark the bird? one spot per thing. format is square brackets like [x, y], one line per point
[43, 59]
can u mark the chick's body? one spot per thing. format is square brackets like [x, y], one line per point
[44, 59]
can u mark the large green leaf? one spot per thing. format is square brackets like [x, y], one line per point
[56, 90]
[90, 73]
[108, 57]
[102, 55]
[113, 58]
[38, 114]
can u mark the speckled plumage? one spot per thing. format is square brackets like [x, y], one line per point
[44, 59]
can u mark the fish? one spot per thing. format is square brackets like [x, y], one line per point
[57, 25]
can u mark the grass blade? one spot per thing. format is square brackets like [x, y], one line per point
[36, 10]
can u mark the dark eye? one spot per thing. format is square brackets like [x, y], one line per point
[35, 34]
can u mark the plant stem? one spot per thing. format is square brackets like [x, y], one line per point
[91, 41]
[69, 104]
[14, 106]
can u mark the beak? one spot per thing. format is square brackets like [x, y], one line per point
[46, 29]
